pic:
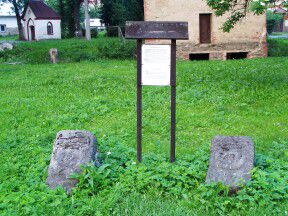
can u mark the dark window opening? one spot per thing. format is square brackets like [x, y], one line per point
[205, 28]
[2, 28]
[199, 56]
[49, 28]
[237, 55]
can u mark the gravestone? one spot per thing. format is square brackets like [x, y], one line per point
[7, 45]
[72, 148]
[232, 159]
[54, 57]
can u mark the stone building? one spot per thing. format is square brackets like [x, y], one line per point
[206, 39]
[40, 21]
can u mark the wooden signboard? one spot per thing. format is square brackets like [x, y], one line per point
[156, 66]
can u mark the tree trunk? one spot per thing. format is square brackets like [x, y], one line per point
[76, 13]
[87, 21]
[19, 23]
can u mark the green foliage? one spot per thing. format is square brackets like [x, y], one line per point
[70, 50]
[117, 12]
[241, 97]
[116, 49]
[277, 47]
[94, 33]
[237, 10]
[185, 179]
[272, 20]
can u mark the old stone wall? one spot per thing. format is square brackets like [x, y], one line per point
[248, 36]
[9, 31]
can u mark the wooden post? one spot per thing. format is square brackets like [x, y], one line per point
[173, 101]
[139, 100]
[173, 31]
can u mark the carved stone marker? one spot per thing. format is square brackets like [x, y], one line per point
[72, 148]
[232, 159]
[54, 58]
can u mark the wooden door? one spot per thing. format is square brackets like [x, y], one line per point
[32, 32]
[205, 28]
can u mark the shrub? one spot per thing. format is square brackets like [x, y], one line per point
[116, 49]
[70, 50]
[272, 20]
[277, 47]
[94, 33]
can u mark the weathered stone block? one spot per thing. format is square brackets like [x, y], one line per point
[54, 56]
[232, 159]
[72, 149]
[6, 45]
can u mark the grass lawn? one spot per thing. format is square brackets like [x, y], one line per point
[246, 97]
[9, 38]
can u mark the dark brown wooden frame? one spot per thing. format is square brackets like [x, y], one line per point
[156, 30]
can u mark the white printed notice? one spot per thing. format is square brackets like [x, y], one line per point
[156, 65]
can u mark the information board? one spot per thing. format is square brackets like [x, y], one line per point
[156, 65]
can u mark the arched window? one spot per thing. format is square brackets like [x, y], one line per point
[49, 28]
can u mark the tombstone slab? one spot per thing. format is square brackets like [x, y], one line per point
[54, 56]
[72, 148]
[8, 46]
[232, 159]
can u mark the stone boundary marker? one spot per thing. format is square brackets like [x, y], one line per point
[232, 159]
[72, 148]
[54, 56]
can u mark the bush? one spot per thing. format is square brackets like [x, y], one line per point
[272, 20]
[94, 33]
[117, 49]
[277, 47]
[112, 32]
[70, 50]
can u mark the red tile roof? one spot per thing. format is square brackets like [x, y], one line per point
[41, 10]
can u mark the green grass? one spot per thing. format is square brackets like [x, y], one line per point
[277, 47]
[9, 38]
[247, 97]
[70, 50]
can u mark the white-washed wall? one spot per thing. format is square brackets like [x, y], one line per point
[41, 29]
[11, 25]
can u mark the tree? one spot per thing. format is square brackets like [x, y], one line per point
[69, 11]
[117, 12]
[18, 6]
[239, 8]
[87, 21]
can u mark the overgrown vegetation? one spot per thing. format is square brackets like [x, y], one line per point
[76, 50]
[70, 50]
[278, 47]
[117, 12]
[241, 97]
[273, 20]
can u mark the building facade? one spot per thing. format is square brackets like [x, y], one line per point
[206, 39]
[40, 22]
[8, 21]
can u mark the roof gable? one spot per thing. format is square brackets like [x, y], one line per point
[41, 10]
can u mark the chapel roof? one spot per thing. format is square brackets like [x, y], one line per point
[41, 10]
